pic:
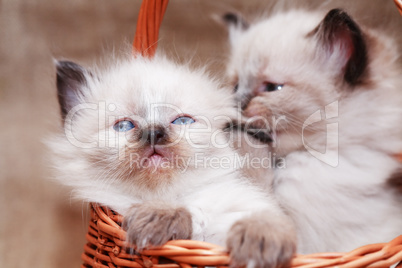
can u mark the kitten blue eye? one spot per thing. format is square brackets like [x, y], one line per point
[123, 126]
[269, 87]
[183, 120]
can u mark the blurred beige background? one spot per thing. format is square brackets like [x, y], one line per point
[39, 225]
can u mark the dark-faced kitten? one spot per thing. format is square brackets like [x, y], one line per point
[328, 94]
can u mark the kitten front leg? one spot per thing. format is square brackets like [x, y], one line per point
[153, 224]
[262, 240]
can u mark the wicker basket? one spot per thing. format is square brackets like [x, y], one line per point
[106, 248]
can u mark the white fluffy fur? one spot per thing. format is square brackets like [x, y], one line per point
[334, 208]
[216, 197]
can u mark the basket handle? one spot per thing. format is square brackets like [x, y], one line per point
[148, 24]
[398, 4]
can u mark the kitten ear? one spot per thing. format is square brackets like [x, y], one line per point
[236, 25]
[341, 38]
[70, 79]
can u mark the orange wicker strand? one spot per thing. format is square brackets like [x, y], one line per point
[148, 24]
[398, 4]
[106, 248]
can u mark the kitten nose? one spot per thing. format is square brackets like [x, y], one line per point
[155, 136]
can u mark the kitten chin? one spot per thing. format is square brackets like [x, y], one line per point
[327, 92]
[145, 137]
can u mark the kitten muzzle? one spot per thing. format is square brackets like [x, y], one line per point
[154, 151]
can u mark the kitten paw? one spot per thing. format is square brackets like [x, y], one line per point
[153, 224]
[261, 242]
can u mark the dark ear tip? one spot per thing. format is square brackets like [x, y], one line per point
[337, 14]
[68, 69]
[337, 11]
[67, 65]
[60, 63]
[230, 18]
[60, 66]
[234, 19]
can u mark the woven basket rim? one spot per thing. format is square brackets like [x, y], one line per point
[106, 247]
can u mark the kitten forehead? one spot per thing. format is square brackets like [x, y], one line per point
[156, 88]
[295, 21]
[266, 42]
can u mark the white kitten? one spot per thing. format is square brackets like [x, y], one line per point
[329, 96]
[145, 137]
